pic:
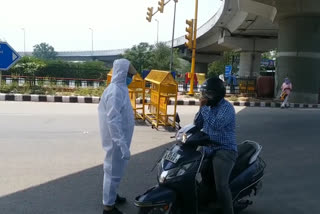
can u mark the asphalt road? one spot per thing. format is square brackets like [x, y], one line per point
[51, 158]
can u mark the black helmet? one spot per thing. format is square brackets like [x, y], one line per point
[213, 89]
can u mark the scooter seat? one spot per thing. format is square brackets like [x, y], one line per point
[245, 152]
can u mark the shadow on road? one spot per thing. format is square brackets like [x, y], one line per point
[81, 193]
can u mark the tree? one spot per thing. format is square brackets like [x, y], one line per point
[269, 55]
[145, 56]
[161, 57]
[140, 56]
[28, 66]
[44, 51]
[218, 67]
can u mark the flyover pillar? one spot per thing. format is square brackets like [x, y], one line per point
[249, 64]
[201, 67]
[299, 49]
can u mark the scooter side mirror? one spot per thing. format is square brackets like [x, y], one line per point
[177, 118]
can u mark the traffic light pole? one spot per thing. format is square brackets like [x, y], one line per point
[150, 13]
[194, 46]
[174, 25]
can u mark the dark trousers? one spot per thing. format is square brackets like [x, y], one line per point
[223, 162]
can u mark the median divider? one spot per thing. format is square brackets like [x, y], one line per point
[87, 99]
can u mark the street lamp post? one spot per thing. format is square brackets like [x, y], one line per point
[24, 41]
[91, 41]
[174, 23]
[157, 30]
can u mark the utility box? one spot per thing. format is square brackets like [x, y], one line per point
[265, 86]
[162, 87]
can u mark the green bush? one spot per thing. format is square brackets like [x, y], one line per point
[34, 67]
[233, 98]
[50, 90]
[12, 88]
[97, 92]
[37, 90]
[25, 89]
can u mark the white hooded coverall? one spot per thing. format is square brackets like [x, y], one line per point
[116, 129]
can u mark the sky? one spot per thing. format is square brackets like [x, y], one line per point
[116, 24]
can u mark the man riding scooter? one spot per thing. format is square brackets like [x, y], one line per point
[216, 117]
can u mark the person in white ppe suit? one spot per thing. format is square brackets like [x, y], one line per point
[116, 129]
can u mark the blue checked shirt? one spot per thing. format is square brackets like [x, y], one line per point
[219, 123]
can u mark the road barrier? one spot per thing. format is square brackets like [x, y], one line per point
[162, 87]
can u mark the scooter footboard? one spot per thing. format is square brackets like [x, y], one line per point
[156, 196]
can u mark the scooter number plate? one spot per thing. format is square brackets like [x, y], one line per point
[172, 157]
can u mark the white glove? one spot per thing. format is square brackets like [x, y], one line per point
[125, 152]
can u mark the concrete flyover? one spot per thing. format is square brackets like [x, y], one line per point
[107, 56]
[256, 26]
[236, 27]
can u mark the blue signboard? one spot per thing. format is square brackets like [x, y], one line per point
[267, 63]
[228, 71]
[8, 56]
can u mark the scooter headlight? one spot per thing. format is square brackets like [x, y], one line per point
[163, 176]
[175, 172]
[179, 136]
[185, 137]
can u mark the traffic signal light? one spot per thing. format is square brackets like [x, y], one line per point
[161, 6]
[189, 36]
[149, 14]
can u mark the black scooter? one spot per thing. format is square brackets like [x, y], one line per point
[186, 181]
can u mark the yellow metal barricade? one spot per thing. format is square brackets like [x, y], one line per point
[201, 78]
[136, 90]
[109, 77]
[162, 88]
[247, 86]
